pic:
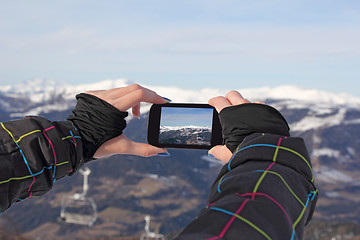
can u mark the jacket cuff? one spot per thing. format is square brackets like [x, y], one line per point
[242, 120]
[97, 121]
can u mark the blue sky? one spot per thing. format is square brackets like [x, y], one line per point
[190, 43]
[180, 117]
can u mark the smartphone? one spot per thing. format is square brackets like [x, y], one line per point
[184, 125]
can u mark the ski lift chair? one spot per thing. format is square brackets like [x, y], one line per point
[77, 208]
[148, 234]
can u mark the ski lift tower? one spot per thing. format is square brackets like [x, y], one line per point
[78, 208]
[148, 234]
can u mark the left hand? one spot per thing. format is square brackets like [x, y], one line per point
[123, 99]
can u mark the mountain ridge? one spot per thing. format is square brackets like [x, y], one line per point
[37, 89]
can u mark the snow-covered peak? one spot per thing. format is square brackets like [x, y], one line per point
[302, 95]
[31, 86]
[41, 90]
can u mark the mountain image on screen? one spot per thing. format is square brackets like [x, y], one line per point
[189, 135]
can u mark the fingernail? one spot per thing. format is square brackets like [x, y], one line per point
[167, 100]
[165, 154]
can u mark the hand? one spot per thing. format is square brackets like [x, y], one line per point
[123, 99]
[232, 98]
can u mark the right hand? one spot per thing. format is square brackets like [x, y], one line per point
[233, 98]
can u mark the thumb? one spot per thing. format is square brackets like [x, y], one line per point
[221, 152]
[145, 150]
[123, 145]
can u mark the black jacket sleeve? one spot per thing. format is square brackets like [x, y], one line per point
[97, 121]
[266, 191]
[35, 152]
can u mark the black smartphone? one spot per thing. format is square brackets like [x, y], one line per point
[184, 125]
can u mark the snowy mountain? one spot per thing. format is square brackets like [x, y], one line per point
[192, 135]
[48, 93]
[179, 128]
[125, 188]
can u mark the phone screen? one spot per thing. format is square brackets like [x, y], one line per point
[184, 125]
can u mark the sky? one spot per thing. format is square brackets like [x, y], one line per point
[192, 44]
[181, 117]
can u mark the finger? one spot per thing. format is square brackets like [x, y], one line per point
[259, 102]
[94, 92]
[136, 110]
[115, 93]
[135, 97]
[221, 152]
[144, 149]
[219, 103]
[235, 98]
[118, 92]
[108, 95]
